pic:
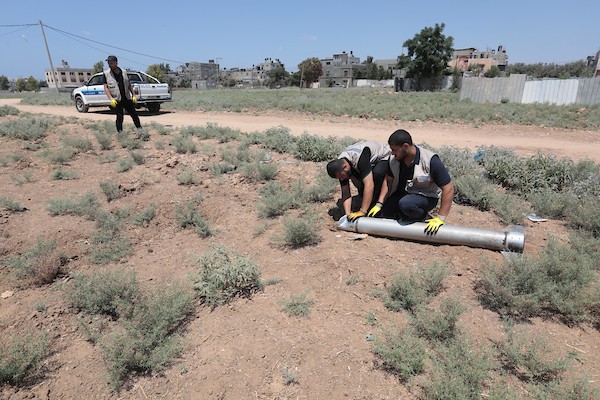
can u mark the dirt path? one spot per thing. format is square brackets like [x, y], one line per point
[525, 140]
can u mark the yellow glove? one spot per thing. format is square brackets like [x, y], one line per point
[113, 103]
[433, 225]
[134, 99]
[375, 209]
[356, 215]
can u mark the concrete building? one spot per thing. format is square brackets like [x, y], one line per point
[339, 70]
[465, 58]
[201, 75]
[255, 75]
[67, 77]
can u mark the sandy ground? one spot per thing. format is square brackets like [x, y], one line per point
[250, 348]
[525, 140]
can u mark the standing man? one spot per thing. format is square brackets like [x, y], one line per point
[365, 164]
[416, 180]
[120, 93]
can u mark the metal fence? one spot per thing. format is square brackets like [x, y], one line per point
[517, 89]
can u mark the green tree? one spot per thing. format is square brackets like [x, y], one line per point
[158, 71]
[428, 53]
[493, 72]
[311, 69]
[32, 84]
[4, 83]
[276, 77]
[98, 67]
[21, 84]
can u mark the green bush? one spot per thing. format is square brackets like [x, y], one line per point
[184, 144]
[257, 171]
[278, 139]
[316, 148]
[186, 177]
[40, 264]
[111, 190]
[411, 289]
[561, 283]
[188, 216]
[149, 339]
[530, 359]
[125, 164]
[276, 200]
[510, 208]
[401, 352]
[474, 190]
[20, 358]
[459, 372]
[108, 246]
[145, 216]
[106, 292]
[59, 174]
[224, 275]
[60, 156]
[322, 189]
[11, 204]
[80, 144]
[300, 231]
[31, 128]
[86, 205]
[8, 110]
[137, 157]
[439, 325]
[104, 140]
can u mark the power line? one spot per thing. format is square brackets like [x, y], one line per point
[114, 47]
[18, 30]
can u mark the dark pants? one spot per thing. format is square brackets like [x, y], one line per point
[379, 171]
[130, 107]
[412, 207]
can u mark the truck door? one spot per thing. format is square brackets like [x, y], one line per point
[94, 90]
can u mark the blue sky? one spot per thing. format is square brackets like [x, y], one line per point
[243, 33]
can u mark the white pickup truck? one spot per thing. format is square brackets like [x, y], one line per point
[149, 91]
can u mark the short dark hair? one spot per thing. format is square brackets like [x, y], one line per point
[111, 58]
[335, 167]
[400, 137]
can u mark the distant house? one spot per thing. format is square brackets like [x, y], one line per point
[255, 75]
[465, 58]
[65, 77]
[340, 70]
[201, 75]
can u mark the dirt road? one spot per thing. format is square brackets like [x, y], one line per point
[525, 140]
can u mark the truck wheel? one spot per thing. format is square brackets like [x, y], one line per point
[154, 107]
[80, 105]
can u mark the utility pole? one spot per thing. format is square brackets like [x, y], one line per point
[54, 74]
[218, 68]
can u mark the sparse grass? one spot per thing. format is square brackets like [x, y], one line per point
[289, 377]
[87, 205]
[224, 275]
[21, 356]
[60, 174]
[39, 265]
[220, 168]
[11, 205]
[108, 158]
[188, 216]
[8, 110]
[25, 177]
[10, 158]
[400, 352]
[212, 131]
[297, 305]
[411, 289]
[278, 139]
[322, 189]
[129, 140]
[103, 292]
[316, 148]
[108, 247]
[111, 190]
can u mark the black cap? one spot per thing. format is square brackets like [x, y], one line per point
[112, 58]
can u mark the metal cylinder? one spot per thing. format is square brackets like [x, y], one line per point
[511, 239]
